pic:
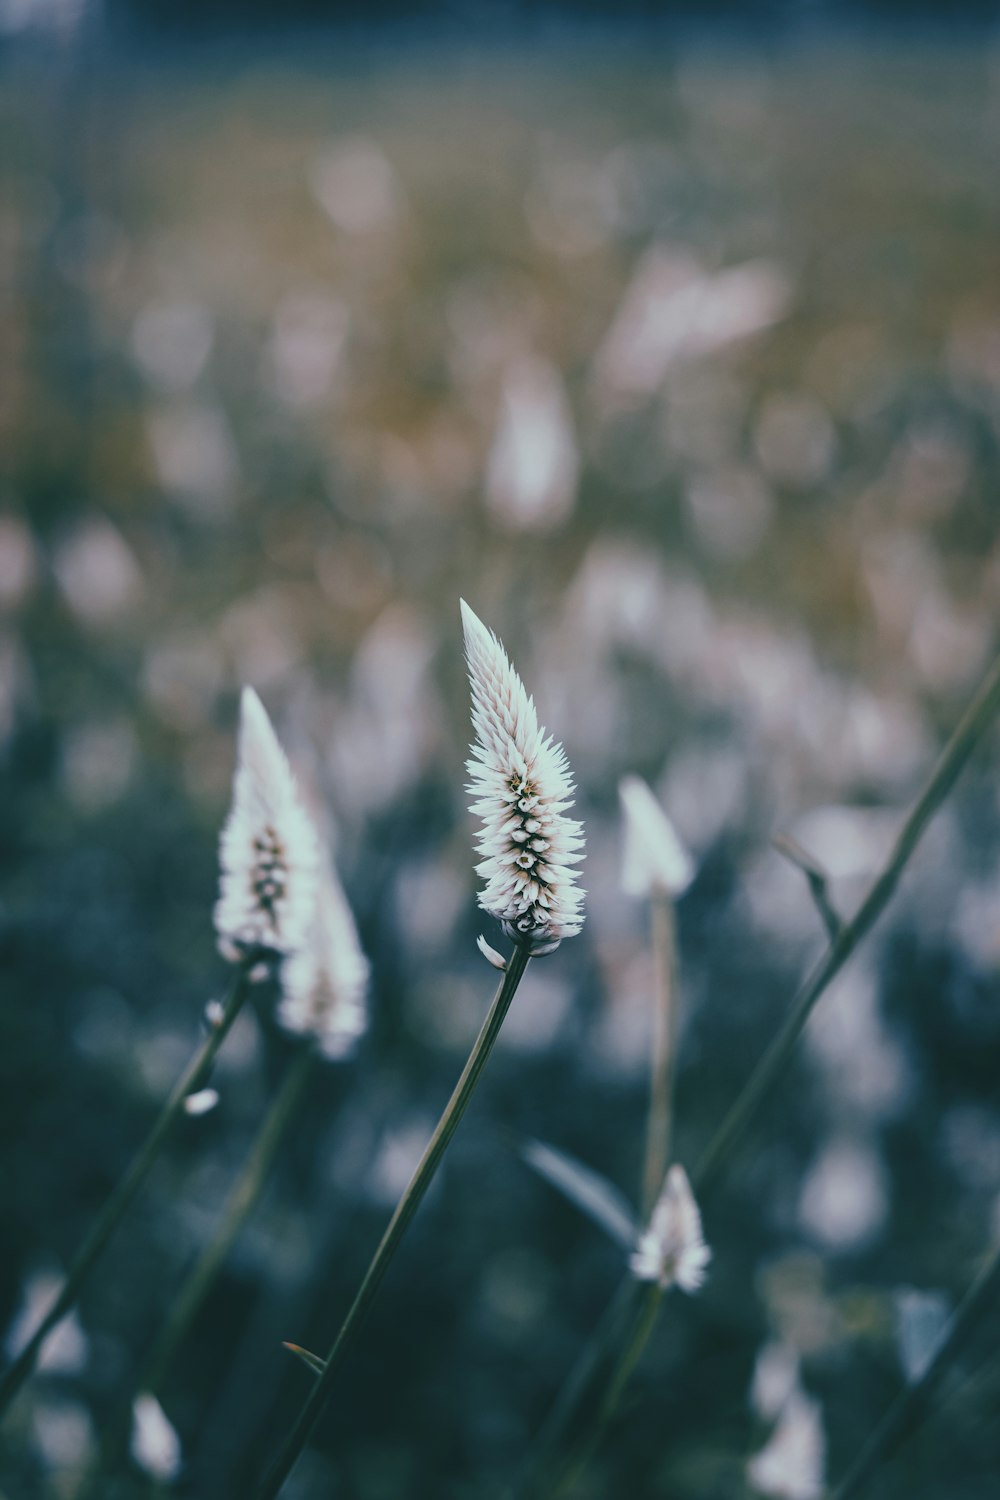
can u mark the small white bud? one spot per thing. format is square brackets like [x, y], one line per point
[671, 1250]
[201, 1102]
[655, 862]
[491, 955]
[215, 1014]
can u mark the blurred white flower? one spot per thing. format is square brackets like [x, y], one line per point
[775, 1377]
[201, 1103]
[533, 466]
[155, 1446]
[324, 984]
[65, 1350]
[268, 850]
[790, 1465]
[523, 786]
[655, 862]
[672, 1250]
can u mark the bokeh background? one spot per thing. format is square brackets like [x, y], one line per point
[673, 348]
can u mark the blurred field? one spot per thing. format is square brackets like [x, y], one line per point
[684, 369]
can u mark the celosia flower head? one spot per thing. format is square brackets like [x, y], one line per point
[523, 790]
[324, 984]
[672, 1250]
[268, 851]
[655, 862]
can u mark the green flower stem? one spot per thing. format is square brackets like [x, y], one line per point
[238, 1207]
[663, 1052]
[117, 1205]
[912, 1404]
[643, 1323]
[398, 1224]
[970, 729]
[967, 734]
[577, 1399]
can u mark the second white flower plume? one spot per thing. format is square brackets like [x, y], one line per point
[523, 789]
[268, 851]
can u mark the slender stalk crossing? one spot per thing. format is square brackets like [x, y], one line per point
[117, 1205]
[967, 734]
[398, 1224]
[970, 729]
[238, 1207]
[911, 1405]
[664, 1049]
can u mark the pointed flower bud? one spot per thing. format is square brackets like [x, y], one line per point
[491, 955]
[672, 1250]
[325, 983]
[268, 850]
[523, 789]
[655, 862]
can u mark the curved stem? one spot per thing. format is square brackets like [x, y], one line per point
[114, 1210]
[642, 1327]
[910, 1406]
[663, 1052]
[580, 1384]
[969, 730]
[398, 1224]
[237, 1210]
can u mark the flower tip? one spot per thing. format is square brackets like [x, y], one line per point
[472, 626]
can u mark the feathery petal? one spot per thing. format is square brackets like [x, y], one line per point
[522, 785]
[268, 850]
[671, 1250]
[491, 955]
[790, 1465]
[325, 983]
[655, 862]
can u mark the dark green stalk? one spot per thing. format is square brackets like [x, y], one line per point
[663, 1051]
[117, 1205]
[398, 1224]
[967, 734]
[911, 1405]
[235, 1213]
[202, 1276]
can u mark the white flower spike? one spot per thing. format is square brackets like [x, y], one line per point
[325, 984]
[790, 1465]
[672, 1250]
[268, 850]
[655, 862]
[523, 787]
